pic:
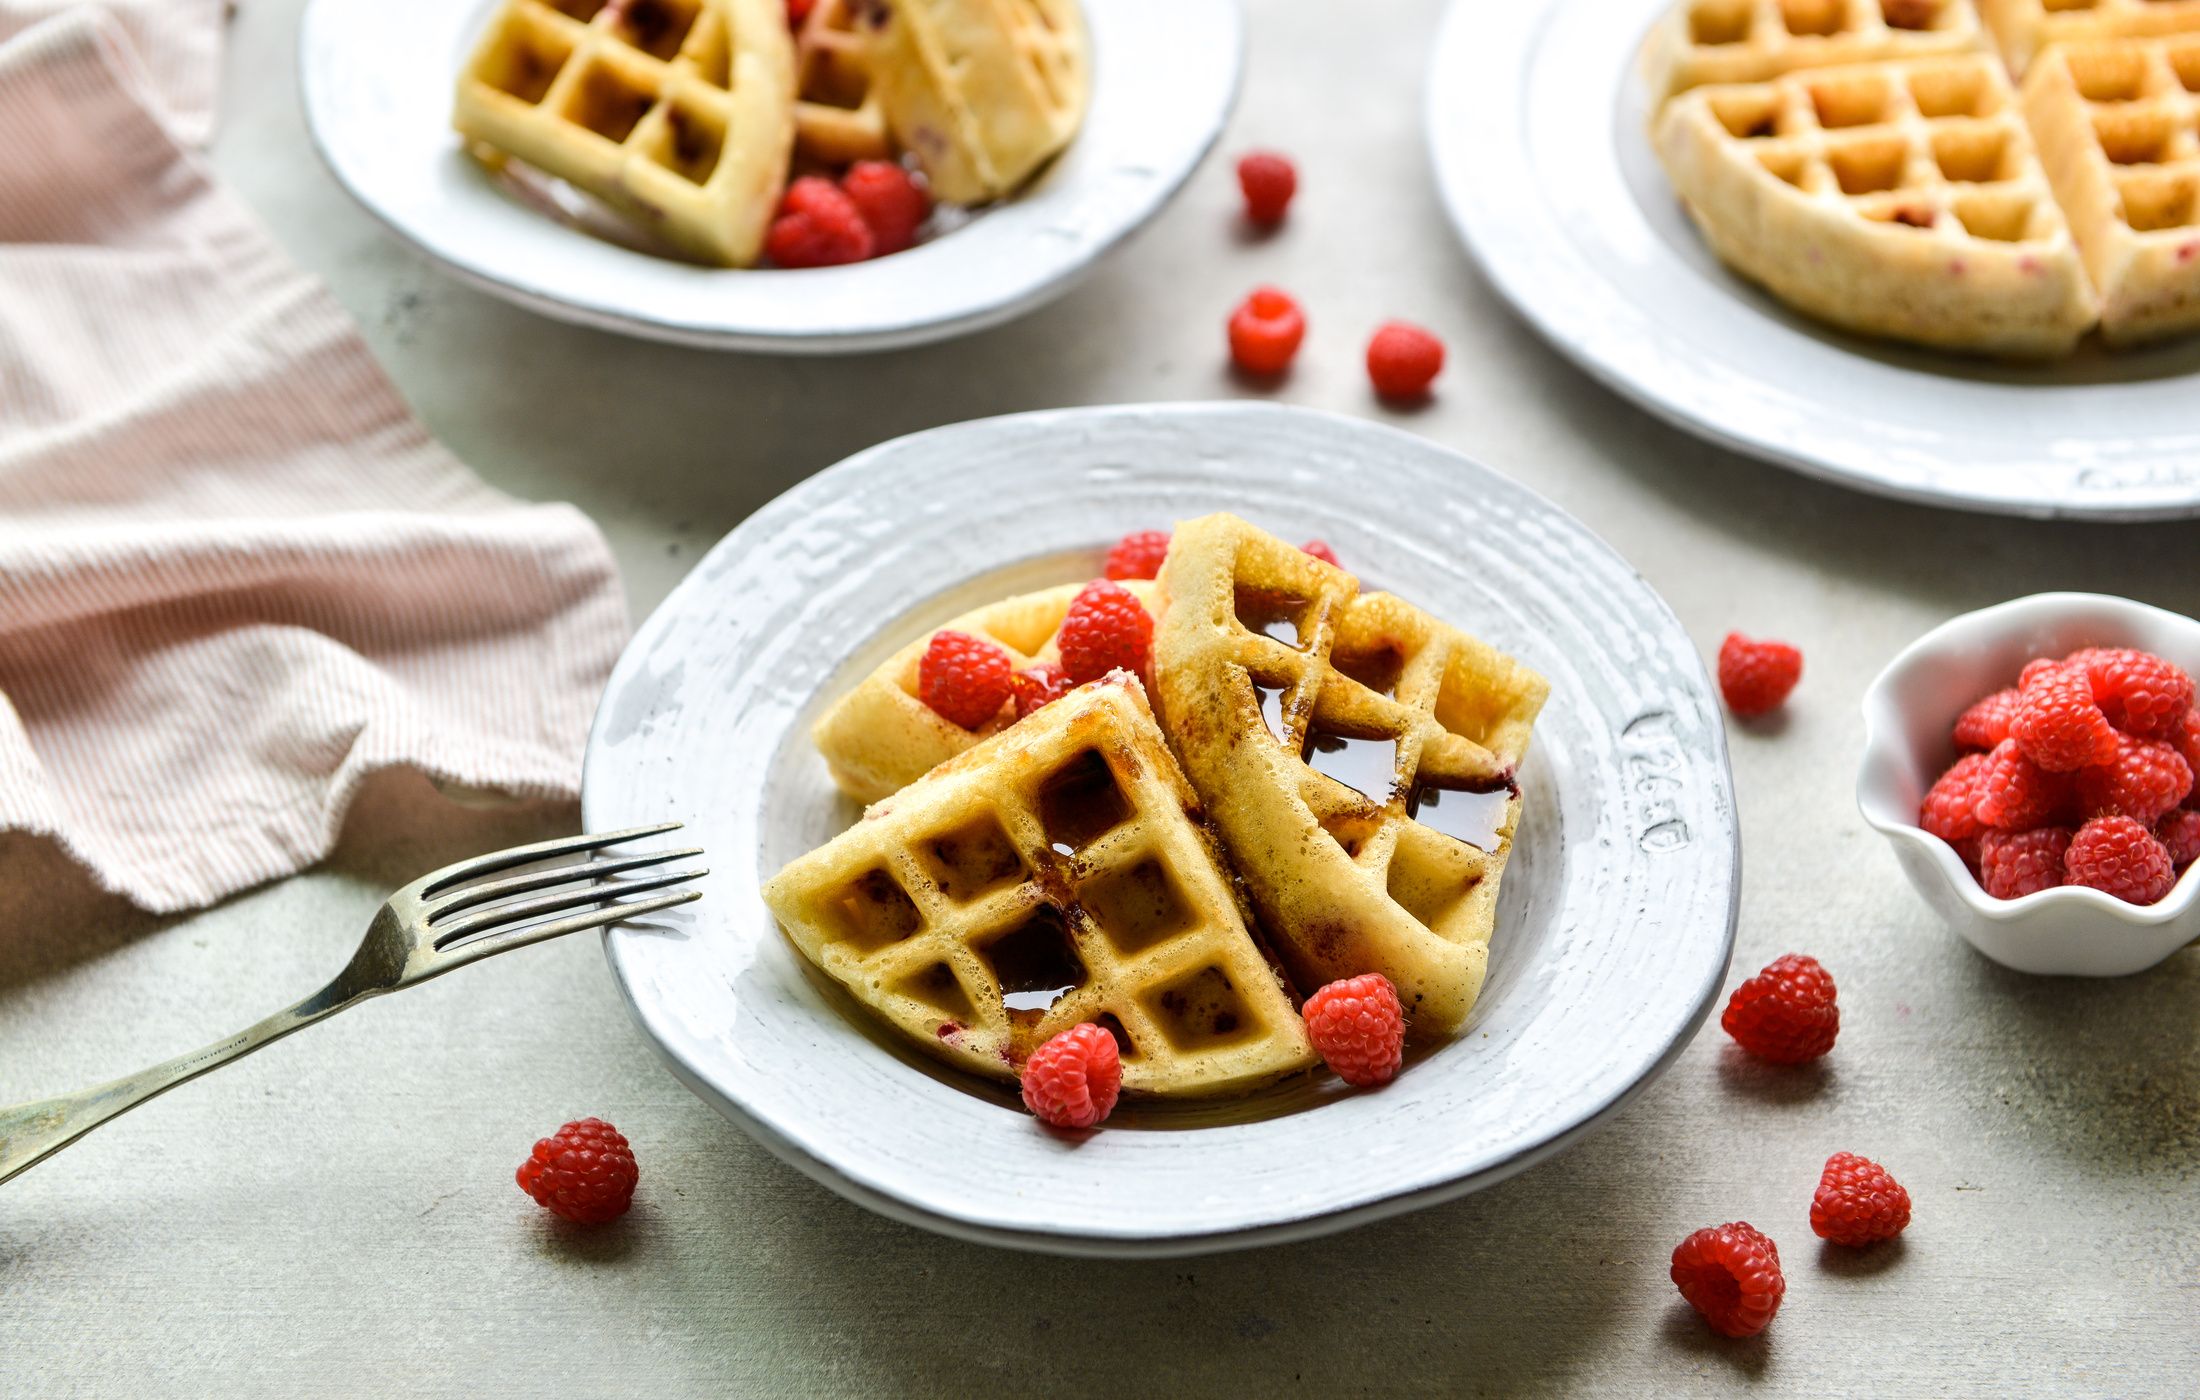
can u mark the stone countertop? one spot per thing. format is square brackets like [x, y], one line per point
[336, 1215]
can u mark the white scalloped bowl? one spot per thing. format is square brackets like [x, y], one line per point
[1908, 713]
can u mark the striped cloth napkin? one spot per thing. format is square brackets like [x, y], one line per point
[236, 575]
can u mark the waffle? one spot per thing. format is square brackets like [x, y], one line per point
[837, 117]
[1901, 200]
[1330, 734]
[879, 737]
[1752, 41]
[679, 112]
[1047, 877]
[2119, 130]
[2024, 28]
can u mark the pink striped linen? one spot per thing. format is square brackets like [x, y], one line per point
[236, 575]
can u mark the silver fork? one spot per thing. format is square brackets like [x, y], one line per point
[421, 932]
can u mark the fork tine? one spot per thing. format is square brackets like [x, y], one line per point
[556, 903]
[464, 953]
[490, 864]
[472, 895]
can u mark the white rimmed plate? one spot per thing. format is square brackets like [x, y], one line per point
[377, 77]
[1617, 912]
[1536, 122]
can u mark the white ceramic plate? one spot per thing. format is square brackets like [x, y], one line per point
[1536, 125]
[1616, 917]
[377, 78]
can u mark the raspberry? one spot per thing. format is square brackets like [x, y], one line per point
[818, 226]
[1265, 332]
[1137, 555]
[2184, 736]
[2179, 834]
[1105, 628]
[963, 678]
[1359, 1028]
[1987, 723]
[584, 1171]
[1949, 809]
[1786, 1013]
[1038, 688]
[1072, 1080]
[2013, 864]
[798, 11]
[1857, 1202]
[2138, 691]
[1755, 677]
[1269, 180]
[2145, 780]
[2118, 856]
[1320, 550]
[2016, 794]
[1403, 360]
[1730, 1274]
[890, 200]
[2058, 725]
[1969, 850]
[2035, 668]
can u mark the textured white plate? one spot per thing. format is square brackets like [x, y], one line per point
[1616, 917]
[1536, 120]
[377, 76]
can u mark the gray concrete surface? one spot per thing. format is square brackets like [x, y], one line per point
[337, 1216]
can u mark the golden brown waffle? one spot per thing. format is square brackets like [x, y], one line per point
[1899, 199]
[1050, 876]
[982, 92]
[1335, 738]
[837, 116]
[1750, 41]
[880, 737]
[2118, 124]
[677, 111]
[2023, 28]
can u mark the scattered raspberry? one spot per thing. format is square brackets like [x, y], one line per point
[818, 226]
[1269, 180]
[1755, 677]
[1320, 550]
[2016, 794]
[1403, 360]
[1786, 1013]
[798, 11]
[1072, 1080]
[964, 678]
[2118, 856]
[1359, 1028]
[1949, 810]
[2179, 834]
[1039, 687]
[1105, 628]
[2058, 725]
[890, 200]
[1730, 1274]
[1137, 555]
[2146, 779]
[1265, 332]
[1857, 1202]
[2013, 864]
[584, 1171]
[1987, 723]
[2138, 691]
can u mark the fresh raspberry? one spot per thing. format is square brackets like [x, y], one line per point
[584, 1171]
[1137, 555]
[1755, 677]
[965, 679]
[1987, 723]
[2058, 725]
[1269, 180]
[2185, 737]
[2037, 667]
[798, 11]
[2179, 834]
[1786, 1013]
[2013, 864]
[818, 226]
[1105, 628]
[1403, 360]
[2016, 794]
[1969, 849]
[1730, 1274]
[1265, 332]
[1359, 1028]
[2146, 779]
[1949, 810]
[1320, 550]
[1039, 687]
[2118, 856]
[2138, 691]
[1072, 1080]
[890, 201]
[1857, 1202]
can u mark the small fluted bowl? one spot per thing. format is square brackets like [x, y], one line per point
[1908, 713]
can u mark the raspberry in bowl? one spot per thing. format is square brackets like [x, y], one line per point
[2025, 761]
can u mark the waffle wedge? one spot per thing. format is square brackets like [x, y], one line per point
[1752, 41]
[2118, 125]
[880, 737]
[837, 116]
[2026, 28]
[1901, 200]
[1335, 738]
[678, 112]
[1049, 876]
